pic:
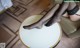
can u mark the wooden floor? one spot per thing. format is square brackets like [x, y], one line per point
[12, 18]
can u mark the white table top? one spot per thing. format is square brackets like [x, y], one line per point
[39, 38]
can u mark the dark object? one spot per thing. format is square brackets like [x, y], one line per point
[73, 11]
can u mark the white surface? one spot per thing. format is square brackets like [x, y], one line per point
[4, 4]
[39, 38]
[1, 7]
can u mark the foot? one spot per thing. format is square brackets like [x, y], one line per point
[75, 17]
[35, 25]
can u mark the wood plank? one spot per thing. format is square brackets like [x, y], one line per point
[11, 23]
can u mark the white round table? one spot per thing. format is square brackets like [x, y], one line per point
[45, 37]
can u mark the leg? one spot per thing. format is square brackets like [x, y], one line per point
[70, 7]
[44, 19]
[73, 17]
[57, 16]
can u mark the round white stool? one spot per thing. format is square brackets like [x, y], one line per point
[46, 37]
